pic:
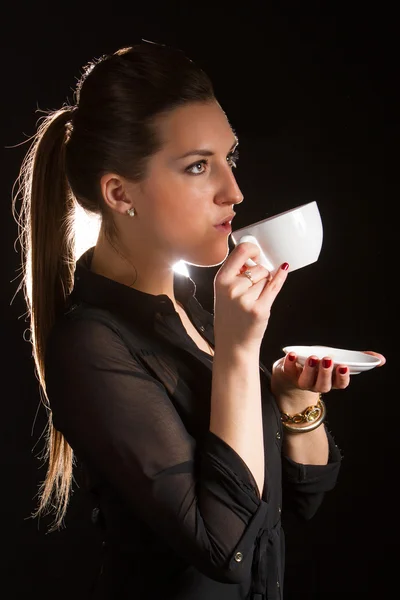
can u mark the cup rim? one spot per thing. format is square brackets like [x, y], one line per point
[272, 217]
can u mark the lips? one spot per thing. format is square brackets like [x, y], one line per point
[226, 220]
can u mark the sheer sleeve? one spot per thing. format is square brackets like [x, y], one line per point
[304, 486]
[120, 419]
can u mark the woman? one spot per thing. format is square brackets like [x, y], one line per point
[190, 447]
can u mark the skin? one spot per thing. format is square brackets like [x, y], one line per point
[177, 206]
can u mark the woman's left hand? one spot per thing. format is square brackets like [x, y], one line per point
[292, 383]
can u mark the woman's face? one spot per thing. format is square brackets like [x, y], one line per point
[189, 187]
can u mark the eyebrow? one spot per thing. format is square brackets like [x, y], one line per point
[204, 152]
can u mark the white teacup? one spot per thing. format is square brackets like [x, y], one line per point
[294, 236]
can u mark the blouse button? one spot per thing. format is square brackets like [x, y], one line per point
[238, 557]
[201, 328]
[278, 435]
[95, 515]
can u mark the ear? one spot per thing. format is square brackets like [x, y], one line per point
[116, 192]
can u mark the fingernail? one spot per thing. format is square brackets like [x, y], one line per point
[343, 370]
[292, 357]
[327, 362]
[285, 266]
[312, 362]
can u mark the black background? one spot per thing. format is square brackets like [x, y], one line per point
[311, 93]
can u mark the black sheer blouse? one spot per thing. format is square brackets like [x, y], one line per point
[179, 510]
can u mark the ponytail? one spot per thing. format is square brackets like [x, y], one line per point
[112, 129]
[45, 233]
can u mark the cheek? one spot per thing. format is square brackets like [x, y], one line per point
[184, 199]
[165, 217]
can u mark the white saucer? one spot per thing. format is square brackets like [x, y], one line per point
[355, 360]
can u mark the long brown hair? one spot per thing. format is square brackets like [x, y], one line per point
[110, 128]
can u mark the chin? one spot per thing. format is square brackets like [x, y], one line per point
[209, 258]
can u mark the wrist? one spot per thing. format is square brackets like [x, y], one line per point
[237, 354]
[298, 401]
[307, 420]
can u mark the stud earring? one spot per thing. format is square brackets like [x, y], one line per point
[131, 212]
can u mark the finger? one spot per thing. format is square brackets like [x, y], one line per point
[317, 374]
[323, 381]
[237, 259]
[309, 374]
[377, 355]
[251, 287]
[341, 377]
[270, 291]
[325, 372]
[290, 360]
[257, 273]
[291, 366]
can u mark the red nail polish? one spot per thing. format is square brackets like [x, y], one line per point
[343, 370]
[285, 266]
[327, 362]
[292, 357]
[312, 362]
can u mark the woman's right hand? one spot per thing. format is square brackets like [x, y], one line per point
[242, 309]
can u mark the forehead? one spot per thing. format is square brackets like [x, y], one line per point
[196, 125]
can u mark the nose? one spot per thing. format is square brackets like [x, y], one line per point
[229, 192]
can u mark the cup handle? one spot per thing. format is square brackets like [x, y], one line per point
[263, 259]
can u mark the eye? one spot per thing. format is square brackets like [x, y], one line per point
[233, 158]
[200, 165]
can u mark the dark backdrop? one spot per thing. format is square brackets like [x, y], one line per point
[312, 99]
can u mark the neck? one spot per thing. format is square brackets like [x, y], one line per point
[135, 271]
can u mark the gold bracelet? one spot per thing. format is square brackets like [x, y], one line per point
[313, 416]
